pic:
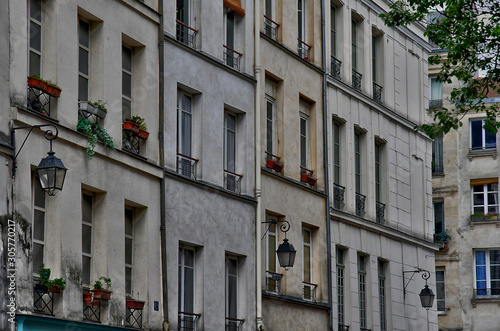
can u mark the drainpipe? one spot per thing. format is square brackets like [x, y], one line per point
[327, 180]
[258, 192]
[161, 119]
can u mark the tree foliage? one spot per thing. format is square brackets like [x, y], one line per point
[469, 30]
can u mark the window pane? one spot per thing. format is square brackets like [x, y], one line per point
[34, 64]
[128, 250]
[230, 156]
[128, 280]
[36, 9]
[186, 133]
[232, 291]
[87, 208]
[189, 257]
[439, 276]
[490, 138]
[39, 226]
[126, 109]
[494, 256]
[438, 217]
[272, 253]
[232, 267]
[127, 58]
[83, 88]
[126, 84]
[476, 134]
[39, 194]
[83, 61]
[189, 290]
[86, 263]
[83, 33]
[35, 36]
[37, 256]
[86, 239]
[307, 263]
[129, 218]
[478, 199]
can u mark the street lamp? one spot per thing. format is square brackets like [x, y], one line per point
[426, 295]
[286, 253]
[51, 171]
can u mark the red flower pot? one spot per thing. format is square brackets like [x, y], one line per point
[37, 83]
[87, 299]
[55, 289]
[131, 127]
[53, 91]
[278, 167]
[102, 294]
[135, 304]
[311, 181]
[270, 163]
[303, 177]
[143, 134]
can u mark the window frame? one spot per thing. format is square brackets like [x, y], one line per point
[181, 281]
[442, 219]
[304, 153]
[493, 292]
[354, 43]
[235, 143]
[333, 30]
[433, 81]
[357, 162]
[340, 263]
[125, 71]
[485, 206]
[186, 10]
[362, 291]
[85, 48]
[87, 255]
[271, 232]
[437, 156]
[382, 288]
[130, 236]
[270, 125]
[441, 297]
[301, 20]
[336, 152]
[34, 20]
[378, 171]
[484, 134]
[181, 134]
[227, 276]
[308, 245]
[42, 209]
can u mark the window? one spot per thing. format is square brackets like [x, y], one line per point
[271, 246]
[357, 161]
[87, 225]
[35, 37]
[184, 133]
[485, 198]
[304, 139]
[83, 60]
[270, 117]
[377, 63]
[129, 249]
[382, 295]
[230, 26]
[333, 30]
[362, 292]
[378, 173]
[437, 156]
[186, 279]
[182, 11]
[231, 290]
[336, 152]
[301, 17]
[487, 272]
[38, 224]
[438, 217]
[230, 142]
[126, 82]
[354, 44]
[341, 287]
[374, 58]
[440, 289]
[307, 264]
[481, 138]
[436, 93]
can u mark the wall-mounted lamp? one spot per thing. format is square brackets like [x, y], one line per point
[426, 295]
[51, 171]
[286, 253]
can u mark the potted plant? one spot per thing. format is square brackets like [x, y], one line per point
[311, 180]
[57, 285]
[134, 304]
[303, 177]
[477, 217]
[94, 133]
[38, 83]
[101, 291]
[43, 281]
[492, 216]
[136, 125]
[87, 299]
[53, 90]
[97, 108]
[278, 166]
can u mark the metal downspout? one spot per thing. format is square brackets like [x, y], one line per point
[326, 168]
[258, 192]
[161, 133]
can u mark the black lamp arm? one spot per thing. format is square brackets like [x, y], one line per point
[426, 275]
[284, 227]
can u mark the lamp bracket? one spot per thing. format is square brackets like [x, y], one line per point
[284, 227]
[426, 275]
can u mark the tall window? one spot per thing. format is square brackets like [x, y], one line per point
[126, 82]
[38, 224]
[230, 26]
[87, 224]
[184, 127]
[357, 161]
[481, 138]
[129, 249]
[268, 8]
[270, 116]
[336, 152]
[378, 173]
[374, 58]
[182, 11]
[230, 142]
[333, 30]
[83, 60]
[35, 35]
[354, 44]
[301, 16]
[382, 295]
[271, 246]
[362, 291]
[437, 155]
[341, 287]
[485, 198]
[307, 262]
[487, 271]
[438, 217]
[440, 289]
[186, 279]
[231, 288]
[304, 141]
[436, 93]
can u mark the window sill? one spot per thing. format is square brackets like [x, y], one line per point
[486, 299]
[482, 152]
[485, 221]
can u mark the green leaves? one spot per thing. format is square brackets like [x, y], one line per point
[94, 133]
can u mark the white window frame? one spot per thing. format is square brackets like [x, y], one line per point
[378, 172]
[487, 266]
[271, 123]
[39, 23]
[310, 266]
[333, 29]
[181, 279]
[354, 43]
[271, 250]
[301, 16]
[357, 163]
[340, 260]
[305, 136]
[227, 275]
[181, 135]
[483, 132]
[87, 49]
[362, 291]
[226, 150]
[41, 209]
[91, 226]
[337, 152]
[441, 297]
[131, 237]
[129, 72]
[382, 288]
[485, 194]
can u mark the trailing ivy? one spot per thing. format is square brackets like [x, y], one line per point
[94, 133]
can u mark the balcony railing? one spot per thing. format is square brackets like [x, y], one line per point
[304, 50]
[364, 329]
[43, 300]
[234, 324]
[487, 293]
[380, 212]
[309, 291]
[232, 181]
[186, 34]
[338, 196]
[336, 64]
[433, 104]
[232, 58]
[360, 204]
[271, 28]
[356, 79]
[343, 327]
[273, 282]
[187, 321]
[186, 165]
[437, 169]
[377, 92]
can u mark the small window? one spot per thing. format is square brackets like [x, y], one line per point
[186, 279]
[440, 289]
[485, 198]
[481, 139]
[232, 266]
[487, 272]
[438, 217]
[83, 60]
[437, 156]
[337, 152]
[35, 37]
[304, 140]
[126, 82]
[436, 93]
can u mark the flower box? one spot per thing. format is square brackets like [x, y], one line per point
[270, 163]
[55, 289]
[303, 177]
[135, 304]
[37, 83]
[102, 294]
[87, 299]
[87, 107]
[53, 91]
[278, 166]
[136, 131]
[311, 180]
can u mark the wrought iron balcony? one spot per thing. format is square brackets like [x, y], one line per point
[309, 291]
[434, 104]
[271, 28]
[487, 293]
[304, 50]
[234, 324]
[336, 64]
[377, 92]
[43, 300]
[186, 165]
[232, 58]
[187, 321]
[356, 79]
[232, 181]
[343, 327]
[380, 212]
[273, 282]
[360, 204]
[338, 196]
[186, 34]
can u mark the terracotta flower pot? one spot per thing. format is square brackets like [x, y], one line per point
[143, 134]
[102, 294]
[37, 83]
[311, 181]
[270, 163]
[278, 167]
[55, 289]
[53, 91]
[87, 299]
[127, 125]
[303, 177]
[135, 304]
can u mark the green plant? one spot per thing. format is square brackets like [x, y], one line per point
[99, 103]
[441, 237]
[44, 80]
[98, 285]
[139, 121]
[474, 215]
[94, 133]
[59, 282]
[44, 274]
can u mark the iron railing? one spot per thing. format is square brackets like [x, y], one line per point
[43, 300]
[271, 28]
[336, 64]
[304, 50]
[364, 329]
[232, 58]
[343, 327]
[273, 281]
[338, 196]
[309, 291]
[234, 324]
[232, 181]
[438, 103]
[487, 293]
[186, 34]
[187, 321]
[380, 212]
[356, 79]
[186, 165]
[360, 204]
[377, 92]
